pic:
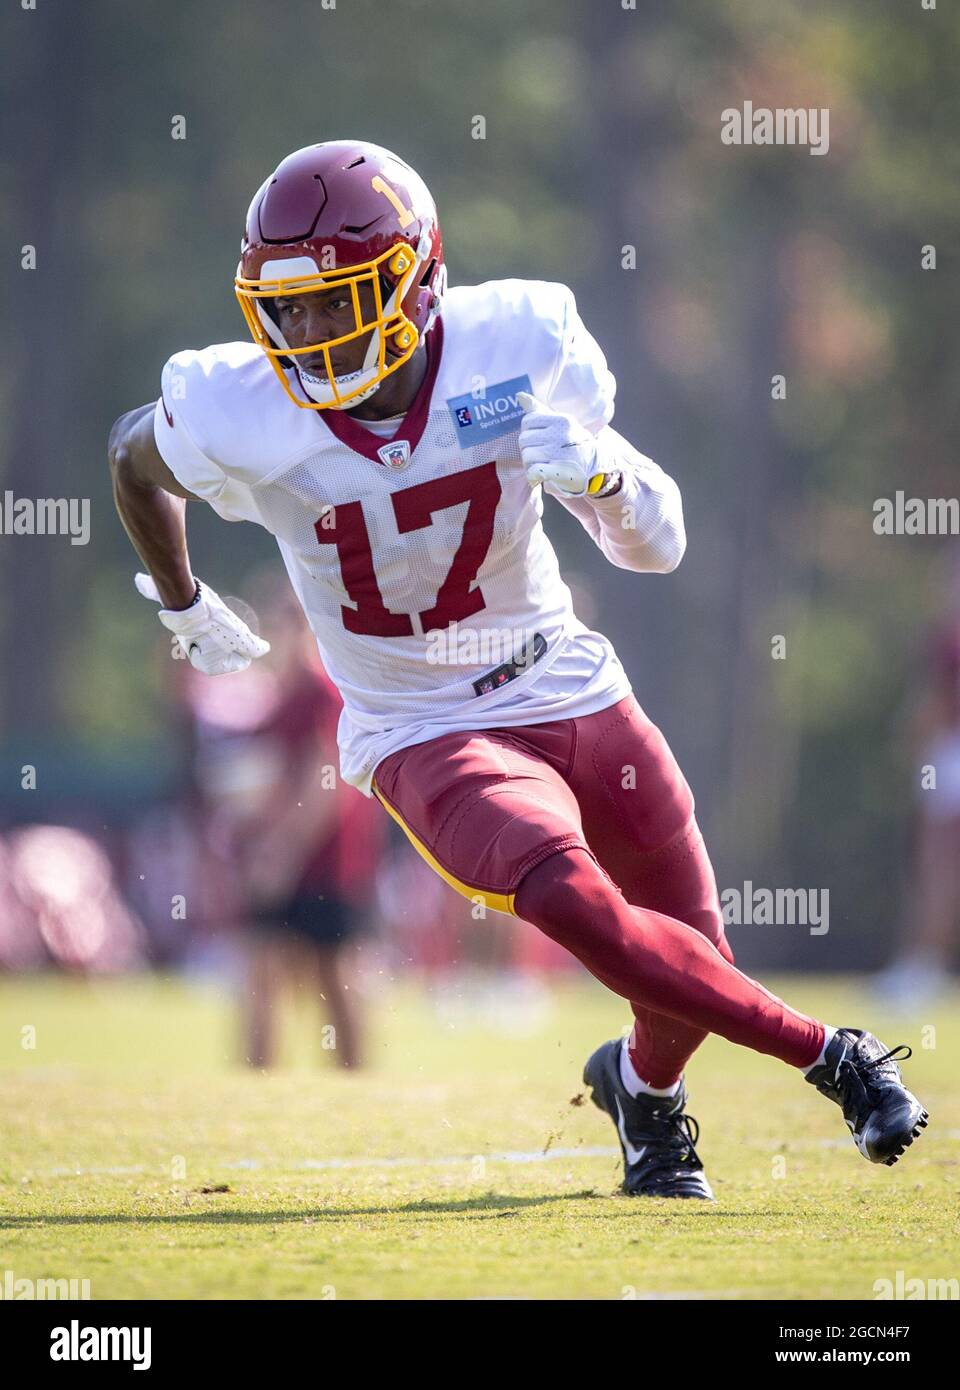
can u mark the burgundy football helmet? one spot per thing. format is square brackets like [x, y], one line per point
[339, 215]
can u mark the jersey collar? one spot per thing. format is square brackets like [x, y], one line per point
[411, 427]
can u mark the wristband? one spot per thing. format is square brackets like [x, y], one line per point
[193, 602]
[607, 484]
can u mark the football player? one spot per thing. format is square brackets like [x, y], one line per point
[397, 438]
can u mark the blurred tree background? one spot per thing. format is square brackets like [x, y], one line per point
[602, 134]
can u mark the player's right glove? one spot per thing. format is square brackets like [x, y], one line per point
[216, 641]
[559, 453]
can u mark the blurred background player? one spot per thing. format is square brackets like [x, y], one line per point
[921, 969]
[299, 848]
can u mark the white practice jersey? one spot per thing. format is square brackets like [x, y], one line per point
[421, 560]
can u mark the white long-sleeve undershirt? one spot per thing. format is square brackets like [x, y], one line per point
[640, 527]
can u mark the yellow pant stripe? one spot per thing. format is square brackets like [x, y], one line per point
[500, 902]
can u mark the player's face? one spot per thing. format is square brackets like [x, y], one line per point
[305, 319]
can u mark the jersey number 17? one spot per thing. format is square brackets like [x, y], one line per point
[413, 508]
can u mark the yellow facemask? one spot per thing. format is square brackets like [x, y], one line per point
[390, 326]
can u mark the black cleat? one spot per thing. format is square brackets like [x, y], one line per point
[657, 1138]
[863, 1078]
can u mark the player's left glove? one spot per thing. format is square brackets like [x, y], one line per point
[558, 452]
[216, 641]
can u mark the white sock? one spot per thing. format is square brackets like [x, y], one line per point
[828, 1033]
[632, 1082]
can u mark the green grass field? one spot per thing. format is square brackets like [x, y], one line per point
[457, 1179]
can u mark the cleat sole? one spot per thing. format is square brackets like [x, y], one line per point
[914, 1134]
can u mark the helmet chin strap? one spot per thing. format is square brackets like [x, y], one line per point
[320, 390]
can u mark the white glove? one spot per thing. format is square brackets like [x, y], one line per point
[556, 450]
[216, 641]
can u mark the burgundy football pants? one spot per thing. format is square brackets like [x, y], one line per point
[586, 828]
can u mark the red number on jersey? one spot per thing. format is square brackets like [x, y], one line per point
[414, 508]
[349, 534]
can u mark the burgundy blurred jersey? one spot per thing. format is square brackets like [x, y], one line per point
[343, 861]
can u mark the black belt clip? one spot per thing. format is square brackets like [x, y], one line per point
[492, 680]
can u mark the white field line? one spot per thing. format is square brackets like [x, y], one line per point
[319, 1164]
[448, 1161]
[444, 1161]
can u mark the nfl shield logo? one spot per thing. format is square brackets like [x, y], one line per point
[396, 454]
